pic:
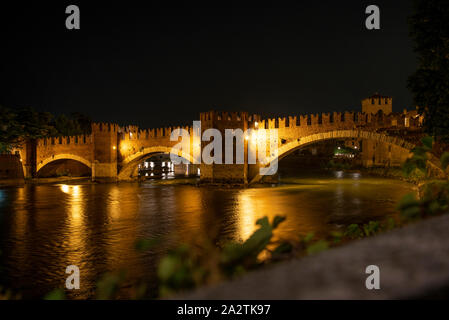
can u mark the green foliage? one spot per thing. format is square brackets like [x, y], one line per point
[178, 270]
[146, 244]
[444, 160]
[418, 161]
[185, 268]
[371, 228]
[245, 254]
[57, 294]
[28, 124]
[429, 28]
[281, 249]
[307, 239]
[353, 231]
[435, 195]
[434, 200]
[427, 142]
[108, 285]
[409, 207]
[337, 236]
[317, 247]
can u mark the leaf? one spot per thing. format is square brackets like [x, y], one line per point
[337, 235]
[407, 201]
[371, 228]
[57, 294]
[277, 220]
[444, 160]
[108, 285]
[146, 244]
[284, 247]
[236, 253]
[427, 142]
[308, 237]
[411, 212]
[317, 247]
[353, 231]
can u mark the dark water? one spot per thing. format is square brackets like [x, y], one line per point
[45, 228]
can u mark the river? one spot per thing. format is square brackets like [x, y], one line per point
[45, 228]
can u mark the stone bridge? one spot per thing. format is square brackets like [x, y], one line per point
[113, 152]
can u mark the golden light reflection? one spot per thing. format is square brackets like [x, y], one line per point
[113, 204]
[65, 188]
[75, 221]
[248, 215]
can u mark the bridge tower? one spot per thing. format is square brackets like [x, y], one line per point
[105, 150]
[226, 173]
[377, 102]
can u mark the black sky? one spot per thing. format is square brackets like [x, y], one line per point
[161, 64]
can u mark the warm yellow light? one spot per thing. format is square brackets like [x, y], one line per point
[256, 124]
[114, 147]
[65, 188]
[254, 137]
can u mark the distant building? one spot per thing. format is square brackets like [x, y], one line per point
[377, 102]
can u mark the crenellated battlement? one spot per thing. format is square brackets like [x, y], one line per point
[227, 116]
[105, 127]
[404, 119]
[64, 140]
[135, 133]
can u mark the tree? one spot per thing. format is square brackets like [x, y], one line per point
[29, 124]
[429, 28]
[10, 131]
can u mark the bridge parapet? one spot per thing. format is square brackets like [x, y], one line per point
[344, 120]
[64, 140]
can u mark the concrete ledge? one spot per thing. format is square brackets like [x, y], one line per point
[413, 262]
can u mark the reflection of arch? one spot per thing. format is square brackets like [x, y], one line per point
[292, 146]
[64, 156]
[131, 162]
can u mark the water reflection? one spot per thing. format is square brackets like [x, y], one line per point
[43, 229]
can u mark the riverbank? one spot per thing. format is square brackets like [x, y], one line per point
[411, 267]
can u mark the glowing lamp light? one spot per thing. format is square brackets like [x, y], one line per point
[256, 124]
[114, 147]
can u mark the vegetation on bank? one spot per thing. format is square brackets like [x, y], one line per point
[28, 124]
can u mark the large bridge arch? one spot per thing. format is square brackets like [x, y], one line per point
[291, 146]
[129, 164]
[63, 156]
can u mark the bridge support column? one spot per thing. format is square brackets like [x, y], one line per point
[104, 172]
[226, 173]
[29, 159]
[104, 166]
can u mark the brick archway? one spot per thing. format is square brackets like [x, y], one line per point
[64, 156]
[291, 146]
[130, 163]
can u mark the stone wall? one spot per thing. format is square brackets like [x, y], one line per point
[11, 170]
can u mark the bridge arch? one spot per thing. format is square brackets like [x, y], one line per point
[291, 146]
[130, 163]
[63, 156]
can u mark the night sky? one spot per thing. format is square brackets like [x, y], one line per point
[162, 64]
